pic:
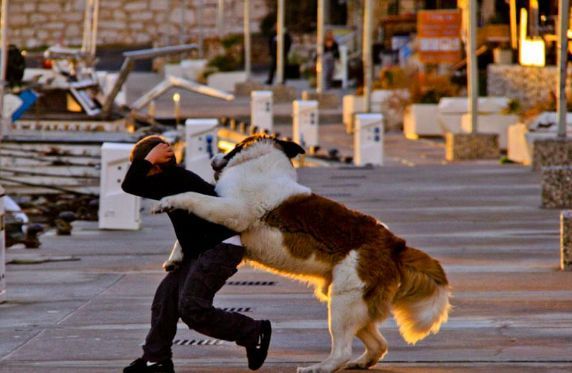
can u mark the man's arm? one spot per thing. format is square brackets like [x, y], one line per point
[172, 181]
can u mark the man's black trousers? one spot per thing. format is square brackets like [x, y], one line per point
[188, 293]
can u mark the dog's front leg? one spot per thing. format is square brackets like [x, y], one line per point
[175, 258]
[232, 213]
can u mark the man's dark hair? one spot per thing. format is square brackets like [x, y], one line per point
[145, 145]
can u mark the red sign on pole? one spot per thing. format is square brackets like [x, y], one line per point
[439, 34]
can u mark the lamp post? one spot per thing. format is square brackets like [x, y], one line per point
[247, 51]
[320, 48]
[366, 53]
[472, 67]
[563, 11]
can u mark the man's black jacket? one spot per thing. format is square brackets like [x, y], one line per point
[194, 234]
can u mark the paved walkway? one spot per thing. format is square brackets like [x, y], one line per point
[483, 221]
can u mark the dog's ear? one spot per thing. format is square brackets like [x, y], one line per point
[290, 148]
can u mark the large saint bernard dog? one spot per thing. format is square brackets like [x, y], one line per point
[358, 266]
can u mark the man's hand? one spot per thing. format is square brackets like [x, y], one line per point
[160, 154]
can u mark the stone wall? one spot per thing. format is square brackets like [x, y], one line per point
[530, 85]
[38, 23]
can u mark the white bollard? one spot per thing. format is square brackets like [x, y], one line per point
[117, 209]
[305, 124]
[201, 146]
[2, 249]
[368, 140]
[261, 110]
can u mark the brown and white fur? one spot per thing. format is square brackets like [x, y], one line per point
[358, 266]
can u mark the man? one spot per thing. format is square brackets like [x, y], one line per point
[273, 49]
[208, 262]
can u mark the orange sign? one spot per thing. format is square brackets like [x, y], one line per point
[439, 34]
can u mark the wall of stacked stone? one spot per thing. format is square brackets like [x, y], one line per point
[530, 85]
[39, 23]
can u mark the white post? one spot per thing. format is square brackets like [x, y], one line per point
[117, 209]
[247, 52]
[368, 139]
[305, 123]
[280, 43]
[201, 146]
[563, 11]
[320, 48]
[366, 53]
[261, 111]
[472, 67]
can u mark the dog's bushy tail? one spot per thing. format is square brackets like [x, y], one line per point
[421, 304]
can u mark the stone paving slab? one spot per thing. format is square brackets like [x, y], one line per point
[483, 221]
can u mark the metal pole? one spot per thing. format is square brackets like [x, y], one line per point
[280, 43]
[94, 24]
[564, 8]
[86, 37]
[472, 67]
[320, 48]
[220, 17]
[201, 42]
[366, 54]
[3, 61]
[513, 26]
[247, 52]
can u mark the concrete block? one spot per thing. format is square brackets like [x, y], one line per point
[492, 123]
[556, 190]
[421, 120]
[325, 100]
[242, 89]
[566, 240]
[471, 146]
[225, 81]
[552, 152]
[282, 93]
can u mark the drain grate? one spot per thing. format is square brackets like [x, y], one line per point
[237, 309]
[198, 342]
[251, 283]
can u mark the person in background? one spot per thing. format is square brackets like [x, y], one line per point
[273, 49]
[331, 54]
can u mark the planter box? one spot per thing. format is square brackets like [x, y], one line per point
[493, 123]
[452, 109]
[225, 81]
[421, 120]
[521, 137]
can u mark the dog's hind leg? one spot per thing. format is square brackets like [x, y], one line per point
[376, 347]
[347, 313]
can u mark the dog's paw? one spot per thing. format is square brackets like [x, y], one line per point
[171, 265]
[163, 206]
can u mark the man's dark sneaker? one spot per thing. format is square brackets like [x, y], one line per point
[257, 354]
[142, 366]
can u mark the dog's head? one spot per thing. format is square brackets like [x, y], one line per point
[254, 147]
